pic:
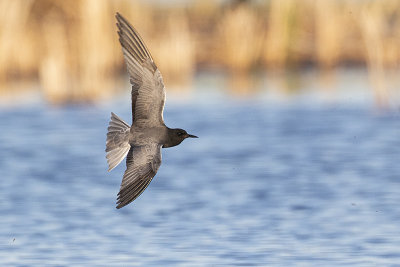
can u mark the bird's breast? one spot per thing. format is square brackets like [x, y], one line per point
[141, 136]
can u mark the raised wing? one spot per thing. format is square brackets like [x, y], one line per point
[142, 165]
[148, 91]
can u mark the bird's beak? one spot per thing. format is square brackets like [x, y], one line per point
[192, 136]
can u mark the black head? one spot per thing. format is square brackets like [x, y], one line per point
[176, 136]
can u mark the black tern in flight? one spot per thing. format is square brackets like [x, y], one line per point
[142, 141]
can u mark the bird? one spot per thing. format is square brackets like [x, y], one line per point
[141, 142]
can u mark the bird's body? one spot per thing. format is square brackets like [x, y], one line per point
[145, 135]
[141, 142]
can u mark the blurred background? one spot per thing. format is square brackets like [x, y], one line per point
[68, 50]
[296, 103]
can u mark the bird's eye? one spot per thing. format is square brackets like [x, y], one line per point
[180, 133]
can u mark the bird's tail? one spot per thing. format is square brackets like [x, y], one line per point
[117, 144]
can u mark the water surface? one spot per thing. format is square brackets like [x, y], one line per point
[268, 183]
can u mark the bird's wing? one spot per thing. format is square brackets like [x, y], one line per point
[142, 164]
[148, 91]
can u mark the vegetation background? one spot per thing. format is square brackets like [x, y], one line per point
[70, 48]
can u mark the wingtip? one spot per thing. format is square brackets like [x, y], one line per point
[119, 205]
[119, 17]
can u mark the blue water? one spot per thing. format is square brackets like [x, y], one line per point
[268, 183]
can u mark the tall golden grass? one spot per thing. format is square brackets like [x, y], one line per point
[71, 47]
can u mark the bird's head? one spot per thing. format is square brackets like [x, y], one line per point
[176, 136]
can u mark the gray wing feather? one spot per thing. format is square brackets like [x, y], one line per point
[148, 91]
[142, 165]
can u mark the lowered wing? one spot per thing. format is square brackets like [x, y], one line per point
[142, 164]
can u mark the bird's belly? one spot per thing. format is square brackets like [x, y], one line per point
[144, 136]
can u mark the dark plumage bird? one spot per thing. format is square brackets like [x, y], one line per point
[141, 142]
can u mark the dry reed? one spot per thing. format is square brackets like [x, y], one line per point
[372, 27]
[173, 49]
[71, 47]
[16, 57]
[241, 35]
[279, 31]
[328, 32]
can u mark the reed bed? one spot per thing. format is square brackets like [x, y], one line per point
[71, 47]
[240, 38]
